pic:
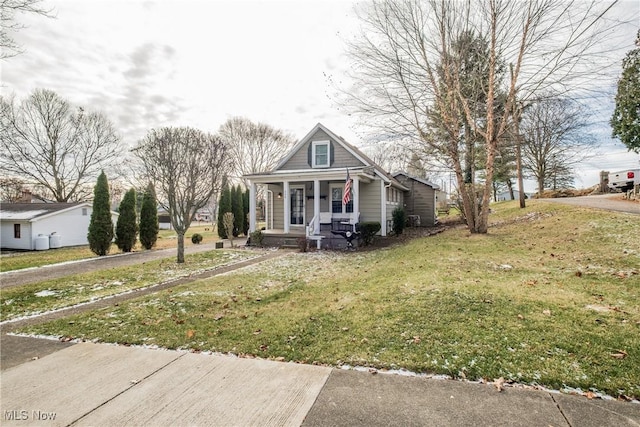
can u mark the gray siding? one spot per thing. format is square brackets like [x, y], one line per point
[370, 201]
[340, 156]
[419, 200]
[278, 207]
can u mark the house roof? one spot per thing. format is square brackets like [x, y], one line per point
[421, 180]
[36, 211]
[385, 176]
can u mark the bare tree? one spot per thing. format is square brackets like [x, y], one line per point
[186, 167]
[11, 189]
[8, 23]
[409, 79]
[254, 147]
[555, 139]
[48, 143]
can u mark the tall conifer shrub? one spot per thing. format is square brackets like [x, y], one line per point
[127, 224]
[100, 233]
[149, 219]
[223, 207]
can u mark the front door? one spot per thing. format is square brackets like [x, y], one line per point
[297, 206]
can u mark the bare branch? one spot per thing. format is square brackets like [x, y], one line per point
[186, 167]
[47, 143]
[8, 23]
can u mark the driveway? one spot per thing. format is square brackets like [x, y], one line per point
[610, 202]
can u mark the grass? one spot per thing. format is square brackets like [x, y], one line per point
[549, 297]
[166, 239]
[63, 292]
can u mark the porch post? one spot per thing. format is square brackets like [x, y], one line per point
[287, 206]
[356, 199]
[252, 206]
[316, 206]
[383, 209]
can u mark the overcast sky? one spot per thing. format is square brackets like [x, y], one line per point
[147, 64]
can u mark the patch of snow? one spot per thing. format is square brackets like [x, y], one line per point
[45, 293]
[185, 294]
[598, 308]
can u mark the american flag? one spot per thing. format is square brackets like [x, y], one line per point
[347, 190]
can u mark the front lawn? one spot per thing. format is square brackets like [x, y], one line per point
[550, 296]
[47, 295]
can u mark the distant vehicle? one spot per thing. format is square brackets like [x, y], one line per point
[624, 180]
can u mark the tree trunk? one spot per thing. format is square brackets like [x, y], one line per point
[540, 185]
[510, 186]
[516, 125]
[180, 248]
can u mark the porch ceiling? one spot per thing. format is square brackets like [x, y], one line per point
[311, 174]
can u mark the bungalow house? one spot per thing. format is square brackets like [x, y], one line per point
[40, 226]
[304, 193]
[420, 200]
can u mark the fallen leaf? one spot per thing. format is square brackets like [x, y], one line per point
[546, 312]
[499, 383]
[620, 354]
[520, 316]
[590, 395]
[280, 359]
[218, 316]
[190, 333]
[416, 339]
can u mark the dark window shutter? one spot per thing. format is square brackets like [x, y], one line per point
[309, 154]
[331, 153]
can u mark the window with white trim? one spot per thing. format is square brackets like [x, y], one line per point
[320, 154]
[337, 207]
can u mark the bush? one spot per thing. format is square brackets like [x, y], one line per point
[399, 220]
[303, 244]
[196, 238]
[256, 238]
[367, 231]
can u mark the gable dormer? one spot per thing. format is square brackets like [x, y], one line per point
[320, 149]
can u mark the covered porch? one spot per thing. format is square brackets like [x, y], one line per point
[309, 203]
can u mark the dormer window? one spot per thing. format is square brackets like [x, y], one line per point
[320, 154]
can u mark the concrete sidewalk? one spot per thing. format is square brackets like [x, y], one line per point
[109, 385]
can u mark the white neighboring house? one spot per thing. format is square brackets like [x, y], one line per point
[28, 226]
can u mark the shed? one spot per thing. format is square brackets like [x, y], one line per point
[420, 199]
[25, 225]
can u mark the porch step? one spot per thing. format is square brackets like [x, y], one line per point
[290, 243]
